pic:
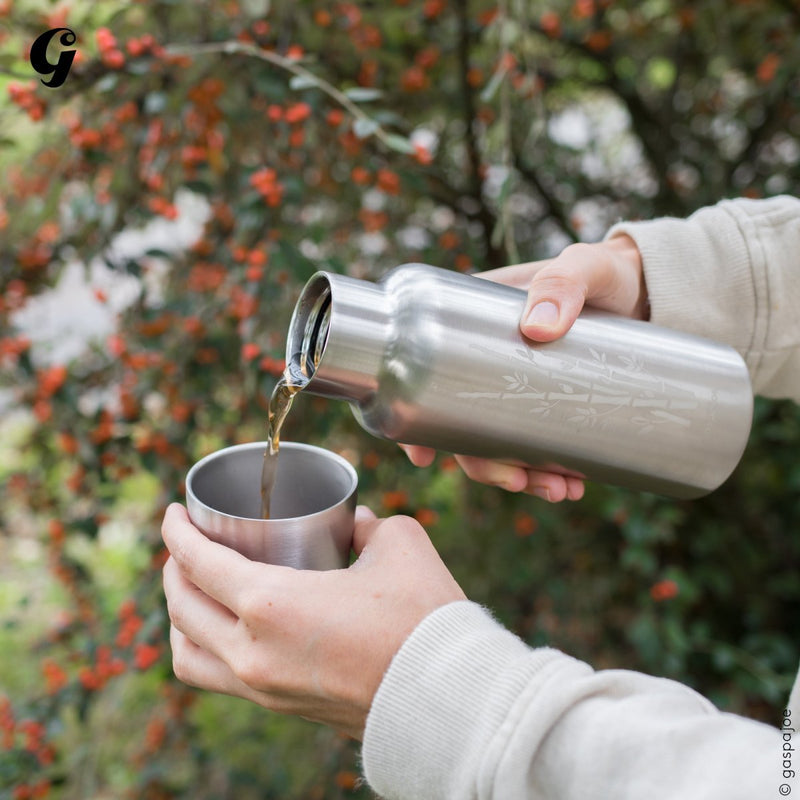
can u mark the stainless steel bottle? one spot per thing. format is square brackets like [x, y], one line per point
[432, 357]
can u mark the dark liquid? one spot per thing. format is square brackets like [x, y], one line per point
[287, 387]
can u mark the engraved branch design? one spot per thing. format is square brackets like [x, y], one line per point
[600, 389]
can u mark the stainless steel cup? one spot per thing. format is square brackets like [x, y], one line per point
[313, 504]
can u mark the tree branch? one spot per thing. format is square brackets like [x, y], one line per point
[769, 125]
[370, 126]
[495, 255]
[652, 131]
[554, 208]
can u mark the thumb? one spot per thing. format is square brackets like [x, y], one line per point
[607, 274]
[364, 514]
[555, 298]
[365, 523]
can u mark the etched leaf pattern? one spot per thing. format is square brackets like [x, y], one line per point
[518, 382]
[594, 390]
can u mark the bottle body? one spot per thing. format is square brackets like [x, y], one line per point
[431, 357]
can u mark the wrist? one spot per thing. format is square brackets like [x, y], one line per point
[627, 261]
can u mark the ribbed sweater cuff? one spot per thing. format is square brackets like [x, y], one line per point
[442, 700]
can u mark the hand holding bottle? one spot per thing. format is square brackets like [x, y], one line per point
[608, 276]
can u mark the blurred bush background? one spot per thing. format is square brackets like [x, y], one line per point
[160, 211]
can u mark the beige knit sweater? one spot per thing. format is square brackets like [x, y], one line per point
[467, 710]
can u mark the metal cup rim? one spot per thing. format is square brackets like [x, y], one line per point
[261, 446]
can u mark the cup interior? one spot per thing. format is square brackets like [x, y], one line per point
[309, 480]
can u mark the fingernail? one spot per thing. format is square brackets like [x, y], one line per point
[364, 514]
[544, 314]
[513, 481]
[540, 491]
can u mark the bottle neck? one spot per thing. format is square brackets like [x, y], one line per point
[338, 336]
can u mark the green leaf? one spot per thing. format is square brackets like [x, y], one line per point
[389, 119]
[660, 72]
[155, 102]
[141, 66]
[362, 94]
[399, 143]
[303, 82]
[491, 88]
[107, 83]
[364, 127]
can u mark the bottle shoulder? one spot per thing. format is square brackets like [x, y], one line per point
[429, 285]
[413, 277]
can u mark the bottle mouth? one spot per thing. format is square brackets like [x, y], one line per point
[315, 334]
[337, 336]
[309, 329]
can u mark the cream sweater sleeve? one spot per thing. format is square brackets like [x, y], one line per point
[731, 272]
[466, 710]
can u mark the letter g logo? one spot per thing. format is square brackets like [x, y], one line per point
[61, 68]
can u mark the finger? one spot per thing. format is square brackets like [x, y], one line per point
[392, 537]
[363, 531]
[391, 530]
[510, 477]
[575, 488]
[554, 487]
[606, 275]
[198, 616]
[517, 275]
[558, 292]
[546, 486]
[217, 570]
[419, 456]
[197, 667]
[364, 514]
